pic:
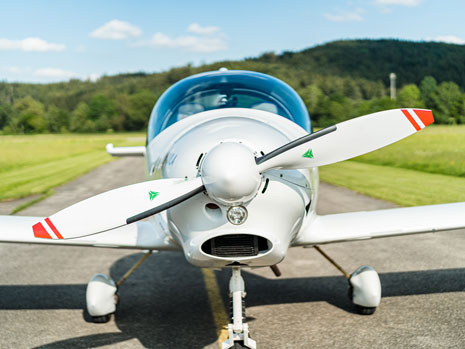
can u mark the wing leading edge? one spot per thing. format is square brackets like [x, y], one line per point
[382, 223]
[151, 234]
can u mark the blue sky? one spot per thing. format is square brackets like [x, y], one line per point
[44, 41]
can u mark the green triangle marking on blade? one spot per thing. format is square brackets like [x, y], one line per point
[153, 194]
[308, 154]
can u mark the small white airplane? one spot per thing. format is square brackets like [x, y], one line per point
[233, 165]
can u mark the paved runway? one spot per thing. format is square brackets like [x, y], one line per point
[165, 304]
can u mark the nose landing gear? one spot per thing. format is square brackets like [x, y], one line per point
[238, 330]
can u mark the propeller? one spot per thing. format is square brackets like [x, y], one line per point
[230, 174]
[116, 208]
[347, 139]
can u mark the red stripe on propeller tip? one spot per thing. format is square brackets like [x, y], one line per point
[40, 232]
[412, 121]
[54, 229]
[426, 116]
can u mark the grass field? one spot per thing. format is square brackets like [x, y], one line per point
[436, 149]
[36, 164]
[426, 168]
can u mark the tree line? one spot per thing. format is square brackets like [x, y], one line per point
[100, 114]
[337, 81]
[329, 100]
[344, 99]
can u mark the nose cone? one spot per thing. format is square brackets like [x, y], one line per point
[230, 174]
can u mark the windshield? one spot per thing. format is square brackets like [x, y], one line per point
[227, 89]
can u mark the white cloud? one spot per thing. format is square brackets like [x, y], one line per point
[196, 28]
[116, 30]
[450, 39]
[55, 73]
[209, 39]
[189, 42]
[354, 16]
[411, 3]
[29, 45]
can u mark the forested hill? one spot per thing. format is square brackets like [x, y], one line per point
[337, 81]
[375, 59]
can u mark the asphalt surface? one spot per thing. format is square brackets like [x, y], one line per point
[165, 304]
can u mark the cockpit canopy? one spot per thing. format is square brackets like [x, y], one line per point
[227, 89]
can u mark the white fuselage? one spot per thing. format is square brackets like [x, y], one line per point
[284, 202]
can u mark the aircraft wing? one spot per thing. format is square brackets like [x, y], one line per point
[125, 151]
[150, 234]
[382, 223]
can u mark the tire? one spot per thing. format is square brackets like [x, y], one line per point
[365, 310]
[360, 309]
[101, 319]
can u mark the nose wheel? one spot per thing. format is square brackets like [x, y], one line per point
[238, 329]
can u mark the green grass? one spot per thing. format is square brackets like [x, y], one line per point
[400, 186]
[426, 168]
[36, 164]
[436, 149]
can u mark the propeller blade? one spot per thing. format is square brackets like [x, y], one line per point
[116, 208]
[347, 139]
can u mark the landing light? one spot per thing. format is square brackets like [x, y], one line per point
[237, 214]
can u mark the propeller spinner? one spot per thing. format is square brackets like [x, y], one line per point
[230, 174]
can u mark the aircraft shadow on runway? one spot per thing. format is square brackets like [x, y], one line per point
[165, 304]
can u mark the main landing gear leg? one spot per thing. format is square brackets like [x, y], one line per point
[238, 330]
[102, 296]
[364, 286]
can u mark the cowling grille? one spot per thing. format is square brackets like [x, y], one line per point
[238, 245]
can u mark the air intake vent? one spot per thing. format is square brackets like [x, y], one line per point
[240, 245]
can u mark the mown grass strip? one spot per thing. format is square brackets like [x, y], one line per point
[24, 151]
[436, 149]
[38, 179]
[36, 164]
[401, 186]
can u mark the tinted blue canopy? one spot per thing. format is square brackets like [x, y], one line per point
[227, 89]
